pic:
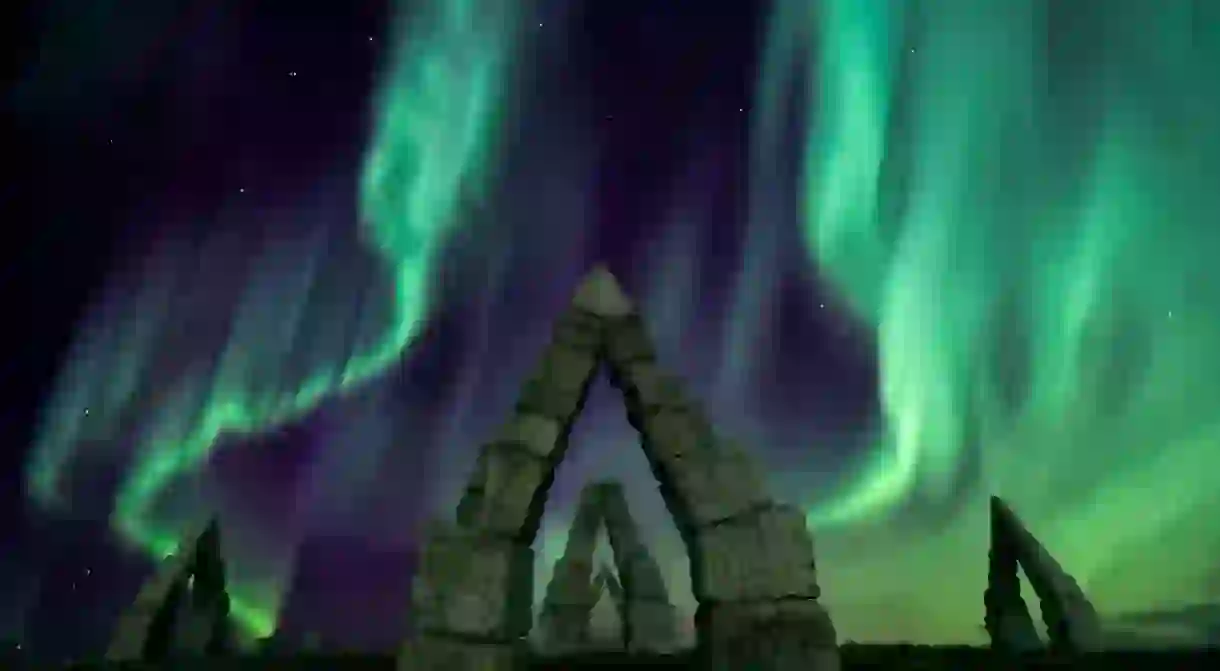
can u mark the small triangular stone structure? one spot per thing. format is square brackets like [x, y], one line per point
[608, 581]
[606, 619]
[183, 609]
[649, 620]
[1072, 624]
[752, 562]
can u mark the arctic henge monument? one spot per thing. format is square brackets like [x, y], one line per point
[1071, 621]
[752, 566]
[648, 619]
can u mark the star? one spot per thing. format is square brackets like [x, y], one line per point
[86, 411]
[292, 74]
[821, 305]
[1171, 314]
[370, 38]
[241, 190]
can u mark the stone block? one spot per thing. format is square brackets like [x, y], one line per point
[510, 479]
[579, 330]
[642, 579]
[564, 628]
[473, 585]
[572, 584]
[767, 554]
[647, 389]
[430, 653]
[717, 484]
[536, 434]
[599, 293]
[652, 626]
[787, 635]
[558, 387]
[671, 436]
[627, 342]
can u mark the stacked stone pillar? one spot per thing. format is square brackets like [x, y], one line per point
[648, 616]
[572, 593]
[182, 610]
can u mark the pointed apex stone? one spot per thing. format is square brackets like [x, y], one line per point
[601, 294]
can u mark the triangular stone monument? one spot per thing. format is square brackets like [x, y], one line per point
[1072, 624]
[752, 567]
[648, 619]
[606, 628]
[183, 609]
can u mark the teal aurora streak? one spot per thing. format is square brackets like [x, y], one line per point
[1029, 226]
[434, 135]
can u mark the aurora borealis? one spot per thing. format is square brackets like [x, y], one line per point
[992, 222]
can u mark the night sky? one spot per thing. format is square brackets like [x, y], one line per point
[290, 265]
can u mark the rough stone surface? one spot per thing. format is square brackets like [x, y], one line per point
[500, 500]
[579, 330]
[651, 626]
[535, 434]
[473, 585]
[628, 343]
[564, 628]
[570, 584]
[431, 653]
[767, 554]
[717, 484]
[786, 635]
[600, 294]
[1072, 624]
[647, 389]
[561, 383]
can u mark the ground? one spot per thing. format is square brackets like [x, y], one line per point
[896, 657]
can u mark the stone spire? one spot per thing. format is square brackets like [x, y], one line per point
[182, 608]
[1072, 624]
[1007, 619]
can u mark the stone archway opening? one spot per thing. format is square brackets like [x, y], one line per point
[629, 584]
[751, 559]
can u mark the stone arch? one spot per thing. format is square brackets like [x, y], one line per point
[1072, 623]
[751, 559]
[648, 618]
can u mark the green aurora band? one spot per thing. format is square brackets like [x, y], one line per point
[433, 142]
[1029, 224]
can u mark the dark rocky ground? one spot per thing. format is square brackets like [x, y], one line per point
[854, 657]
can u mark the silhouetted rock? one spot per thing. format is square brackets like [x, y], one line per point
[1007, 619]
[1072, 623]
[182, 609]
